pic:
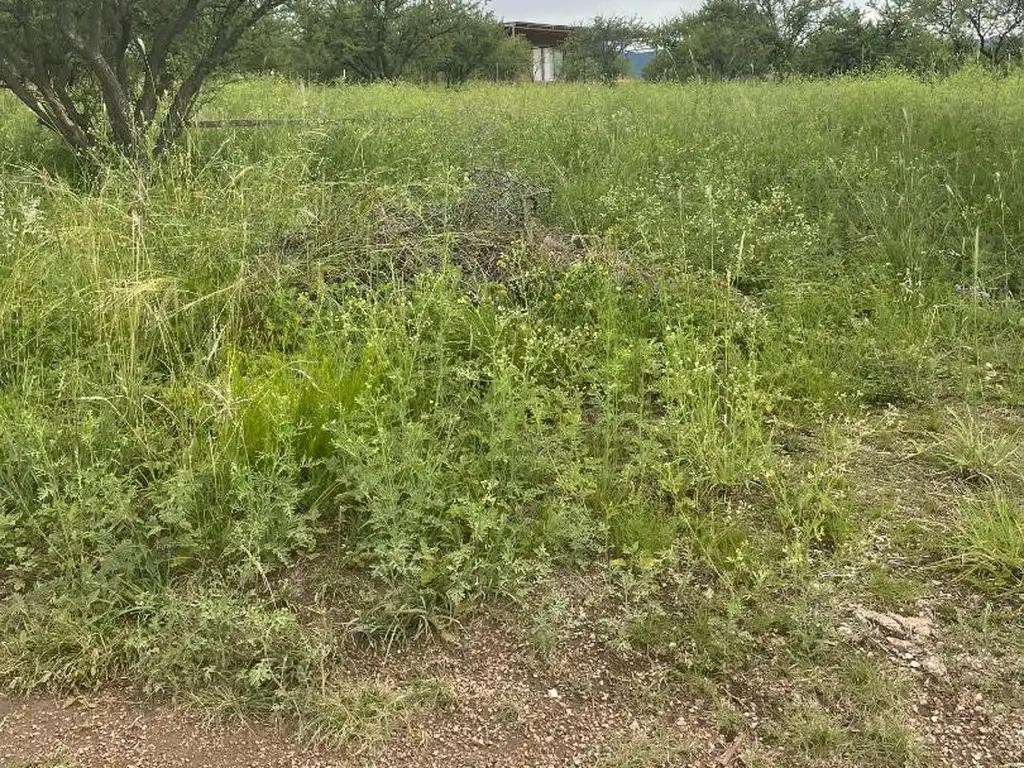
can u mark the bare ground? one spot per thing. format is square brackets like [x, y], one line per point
[506, 710]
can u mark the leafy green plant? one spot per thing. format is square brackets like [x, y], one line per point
[264, 406]
[549, 624]
[814, 511]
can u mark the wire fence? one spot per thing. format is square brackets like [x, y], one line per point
[278, 123]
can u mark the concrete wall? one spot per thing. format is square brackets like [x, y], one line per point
[547, 64]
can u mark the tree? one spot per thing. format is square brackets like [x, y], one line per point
[329, 39]
[596, 52]
[481, 48]
[120, 73]
[796, 20]
[272, 45]
[843, 43]
[905, 40]
[992, 28]
[848, 41]
[380, 39]
[513, 59]
[725, 39]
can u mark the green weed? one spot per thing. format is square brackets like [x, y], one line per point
[988, 543]
[976, 451]
[656, 751]
[321, 352]
[892, 591]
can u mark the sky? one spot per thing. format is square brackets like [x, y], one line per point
[569, 11]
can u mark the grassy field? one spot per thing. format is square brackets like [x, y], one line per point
[722, 378]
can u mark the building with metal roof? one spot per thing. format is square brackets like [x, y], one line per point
[547, 41]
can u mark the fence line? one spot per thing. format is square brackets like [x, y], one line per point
[274, 123]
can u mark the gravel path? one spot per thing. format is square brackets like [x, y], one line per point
[503, 708]
[116, 732]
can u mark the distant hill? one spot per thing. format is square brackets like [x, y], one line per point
[637, 61]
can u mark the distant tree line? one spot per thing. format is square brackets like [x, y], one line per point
[127, 74]
[732, 39]
[448, 41]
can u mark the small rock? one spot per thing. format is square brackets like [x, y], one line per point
[933, 666]
[552, 693]
[917, 626]
[883, 620]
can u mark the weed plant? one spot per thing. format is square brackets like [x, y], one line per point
[224, 379]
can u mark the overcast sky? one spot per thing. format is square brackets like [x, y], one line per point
[568, 11]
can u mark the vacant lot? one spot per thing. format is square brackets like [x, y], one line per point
[642, 426]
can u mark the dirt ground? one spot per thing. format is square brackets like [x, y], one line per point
[501, 708]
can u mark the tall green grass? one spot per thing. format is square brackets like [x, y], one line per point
[218, 382]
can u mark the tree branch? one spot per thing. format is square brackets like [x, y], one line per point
[229, 31]
[115, 98]
[156, 76]
[50, 111]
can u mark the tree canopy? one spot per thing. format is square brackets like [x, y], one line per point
[725, 39]
[729, 39]
[595, 52]
[370, 40]
[121, 73]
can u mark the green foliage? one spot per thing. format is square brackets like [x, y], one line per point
[988, 544]
[731, 40]
[272, 45]
[724, 40]
[811, 735]
[480, 48]
[368, 40]
[513, 59]
[977, 451]
[848, 41]
[989, 29]
[594, 52]
[287, 359]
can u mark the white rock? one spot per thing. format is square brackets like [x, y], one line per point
[933, 666]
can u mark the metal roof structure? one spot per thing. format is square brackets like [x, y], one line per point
[534, 26]
[540, 35]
